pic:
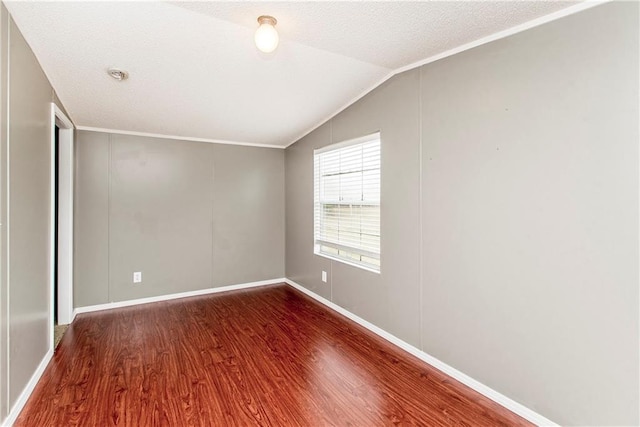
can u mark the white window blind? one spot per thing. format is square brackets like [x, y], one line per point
[347, 201]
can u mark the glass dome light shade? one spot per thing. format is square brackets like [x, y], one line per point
[266, 36]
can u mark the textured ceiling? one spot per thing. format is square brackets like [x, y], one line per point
[195, 72]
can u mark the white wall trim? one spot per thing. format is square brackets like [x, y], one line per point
[119, 304]
[481, 388]
[52, 225]
[26, 393]
[183, 138]
[28, 389]
[62, 117]
[579, 7]
[65, 218]
[486, 391]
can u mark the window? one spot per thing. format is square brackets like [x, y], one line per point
[347, 202]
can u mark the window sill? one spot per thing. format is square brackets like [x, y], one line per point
[343, 261]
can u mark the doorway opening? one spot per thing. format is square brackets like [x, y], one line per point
[61, 250]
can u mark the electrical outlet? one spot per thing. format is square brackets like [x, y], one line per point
[324, 276]
[137, 277]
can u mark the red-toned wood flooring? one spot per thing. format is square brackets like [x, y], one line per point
[267, 356]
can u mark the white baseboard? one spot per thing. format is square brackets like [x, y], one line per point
[111, 305]
[483, 389]
[28, 389]
[24, 396]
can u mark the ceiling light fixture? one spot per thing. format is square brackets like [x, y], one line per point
[266, 37]
[118, 74]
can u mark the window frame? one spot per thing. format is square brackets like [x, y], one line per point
[318, 243]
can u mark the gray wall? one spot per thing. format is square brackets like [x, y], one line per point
[392, 109]
[188, 215]
[4, 288]
[24, 209]
[509, 215]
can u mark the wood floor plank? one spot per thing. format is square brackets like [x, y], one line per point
[268, 356]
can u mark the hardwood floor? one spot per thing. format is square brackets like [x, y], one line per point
[263, 356]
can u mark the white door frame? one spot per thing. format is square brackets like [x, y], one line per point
[65, 217]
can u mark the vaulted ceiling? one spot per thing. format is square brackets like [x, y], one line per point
[195, 72]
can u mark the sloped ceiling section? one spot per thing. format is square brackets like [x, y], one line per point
[195, 72]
